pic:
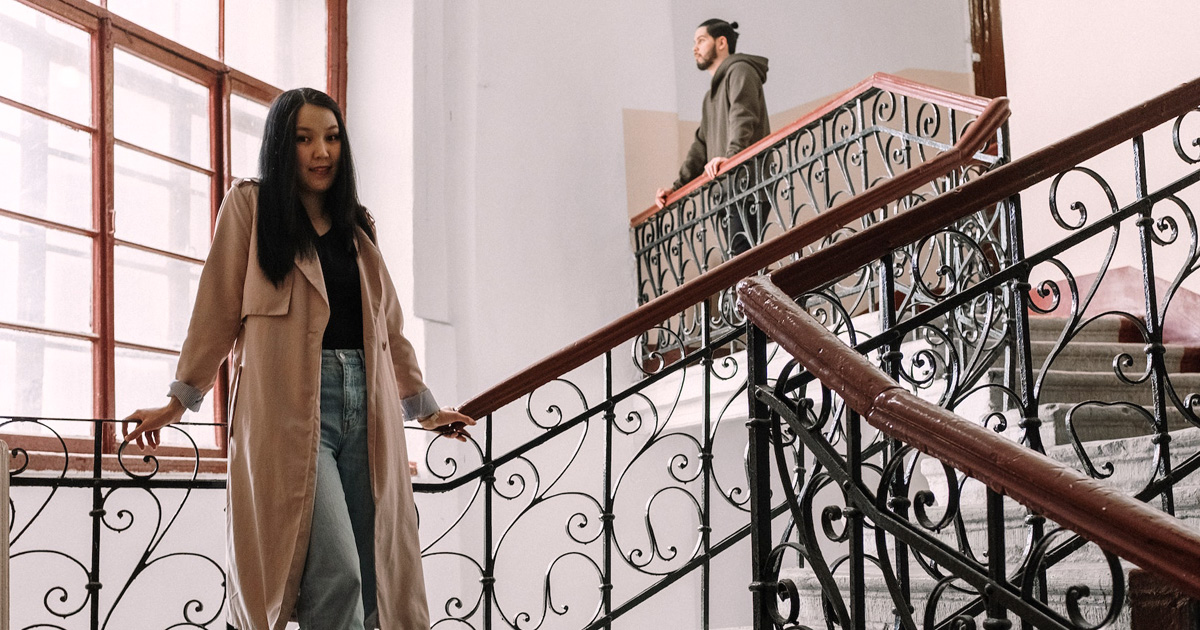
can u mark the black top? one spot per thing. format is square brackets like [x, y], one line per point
[339, 264]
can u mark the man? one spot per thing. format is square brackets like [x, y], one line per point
[733, 117]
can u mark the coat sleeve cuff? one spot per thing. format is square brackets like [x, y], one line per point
[417, 406]
[188, 396]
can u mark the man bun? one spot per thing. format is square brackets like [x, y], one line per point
[720, 28]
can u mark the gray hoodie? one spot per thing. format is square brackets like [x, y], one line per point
[734, 115]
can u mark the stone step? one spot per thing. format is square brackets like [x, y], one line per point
[1063, 386]
[1091, 422]
[1043, 328]
[879, 604]
[1090, 356]
[1131, 461]
[1073, 387]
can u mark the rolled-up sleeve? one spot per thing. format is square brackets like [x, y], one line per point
[420, 405]
[188, 396]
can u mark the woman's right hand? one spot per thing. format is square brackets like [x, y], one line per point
[150, 422]
[450, 423]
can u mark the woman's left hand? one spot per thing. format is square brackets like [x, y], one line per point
[452, 424]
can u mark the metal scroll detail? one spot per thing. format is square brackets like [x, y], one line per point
[871, 138]
[592, 496]
[636, 489]
[1076, 349]
[119, 533]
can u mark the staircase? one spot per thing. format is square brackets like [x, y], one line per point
[605, 492]
[1086, 369]
[1116, 435]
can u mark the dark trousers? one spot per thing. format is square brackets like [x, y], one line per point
[746, 217]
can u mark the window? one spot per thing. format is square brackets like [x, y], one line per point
[122, 123]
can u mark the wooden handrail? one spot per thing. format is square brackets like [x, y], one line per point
[1116, 522]
[860, 249]
[886, 82]
[692, 292]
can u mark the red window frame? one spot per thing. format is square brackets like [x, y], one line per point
[108, 32]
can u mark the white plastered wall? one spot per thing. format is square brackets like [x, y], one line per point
[1073, 63]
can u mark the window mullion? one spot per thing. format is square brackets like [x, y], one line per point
[104, 358]
[335, 51]
[220, 117]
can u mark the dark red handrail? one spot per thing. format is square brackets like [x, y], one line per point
[1116, 522]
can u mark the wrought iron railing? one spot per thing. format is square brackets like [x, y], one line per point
[95, 537]
[631, 474]
[602, 489]
[880, 128]
[882, 533]
[4, 527]
[632, 524]
[907, 424]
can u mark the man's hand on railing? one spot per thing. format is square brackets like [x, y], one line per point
[714, 166]
[711, 169]
[150, 422]
[660, 197]
[450, 423]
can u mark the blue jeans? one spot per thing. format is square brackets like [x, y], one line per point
[337, 589]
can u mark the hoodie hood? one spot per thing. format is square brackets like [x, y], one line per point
[758, 63]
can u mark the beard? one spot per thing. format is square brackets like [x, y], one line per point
[703, 63]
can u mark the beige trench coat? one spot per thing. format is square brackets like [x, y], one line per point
[274, 432]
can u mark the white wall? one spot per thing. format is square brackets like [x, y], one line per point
[522, 244]
[379, 118]
[1073, 63]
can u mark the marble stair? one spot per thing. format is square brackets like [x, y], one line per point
[1115, 431]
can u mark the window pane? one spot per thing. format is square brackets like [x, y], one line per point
[192, 23]
[162, 205]
[142, 380]
[45, 168]
[47, 63]
[248, 120]
[154, 296]
[281, 42]
[44, 376]
[159, 110]
[45, 277]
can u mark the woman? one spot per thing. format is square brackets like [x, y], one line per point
[320, 511]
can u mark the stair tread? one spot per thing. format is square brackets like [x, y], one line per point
[1052, 327]
[804, 577]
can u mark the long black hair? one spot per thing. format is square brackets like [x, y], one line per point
[284, 229]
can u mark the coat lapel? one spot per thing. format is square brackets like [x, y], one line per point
[310, 266]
